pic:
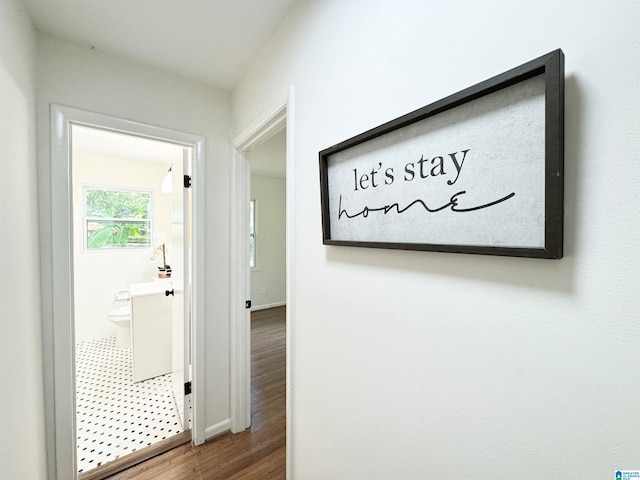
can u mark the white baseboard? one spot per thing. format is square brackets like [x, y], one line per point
[215, 430]
[269, 305]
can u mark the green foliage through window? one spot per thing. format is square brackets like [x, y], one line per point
[117, 218]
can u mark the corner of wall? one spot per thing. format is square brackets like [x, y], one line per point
[23, 446]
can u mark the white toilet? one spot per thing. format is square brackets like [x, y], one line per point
[120, 316]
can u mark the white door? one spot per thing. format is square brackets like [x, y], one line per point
[181, 268]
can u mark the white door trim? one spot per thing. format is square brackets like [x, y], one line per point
[240, 332]
[280, 114]
[58, 331]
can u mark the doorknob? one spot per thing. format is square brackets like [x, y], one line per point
[168, 292]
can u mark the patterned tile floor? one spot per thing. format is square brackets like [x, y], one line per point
[115, 416]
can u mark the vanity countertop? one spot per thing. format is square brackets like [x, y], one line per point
[150, 288]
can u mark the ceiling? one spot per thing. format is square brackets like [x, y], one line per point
[212, 41]
[95, 142]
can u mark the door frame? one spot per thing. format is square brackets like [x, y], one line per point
[58, 333]
[279, 115]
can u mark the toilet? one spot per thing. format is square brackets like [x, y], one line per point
[120, 316]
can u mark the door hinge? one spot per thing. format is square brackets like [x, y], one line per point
[187, 388]
[247, 304]
[187, 181]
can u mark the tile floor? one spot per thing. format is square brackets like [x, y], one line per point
[115, 416]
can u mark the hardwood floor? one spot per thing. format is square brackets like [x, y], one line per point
[255, 454]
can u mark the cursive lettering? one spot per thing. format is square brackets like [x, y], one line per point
[452, 205]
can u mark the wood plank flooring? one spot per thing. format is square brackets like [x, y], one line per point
[255, 454]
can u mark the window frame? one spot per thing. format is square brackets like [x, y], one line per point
[86, 218]
[253, 234]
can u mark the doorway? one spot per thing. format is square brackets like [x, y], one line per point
[267, 223]
[280, 115]
[184, 343]
[129, 254]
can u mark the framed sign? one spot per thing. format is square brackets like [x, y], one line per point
[480, 171]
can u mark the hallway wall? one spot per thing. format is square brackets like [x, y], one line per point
[418, 365]
[268, 281]
[22, 436]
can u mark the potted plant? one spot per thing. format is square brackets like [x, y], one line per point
[164, 272]
[160, 239]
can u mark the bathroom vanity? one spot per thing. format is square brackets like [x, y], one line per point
[151, 329]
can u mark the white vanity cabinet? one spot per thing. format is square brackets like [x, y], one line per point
[151, 329]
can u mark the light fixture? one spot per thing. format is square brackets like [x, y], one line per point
[167, 183]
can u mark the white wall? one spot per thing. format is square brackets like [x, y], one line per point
[92, 80]
[418, 365]
[22, 445]
[268, 280]
[98, 274]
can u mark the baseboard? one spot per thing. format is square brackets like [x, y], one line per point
[269, 305]
[217, 429]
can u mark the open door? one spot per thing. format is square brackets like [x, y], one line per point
[181, 268]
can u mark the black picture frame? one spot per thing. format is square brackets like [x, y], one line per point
[550, 68]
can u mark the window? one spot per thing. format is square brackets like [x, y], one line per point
[116, 218]
[252, 234]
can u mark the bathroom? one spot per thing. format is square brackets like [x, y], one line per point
[119, 411]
